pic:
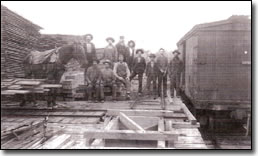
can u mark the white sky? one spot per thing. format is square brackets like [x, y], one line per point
[151, 24]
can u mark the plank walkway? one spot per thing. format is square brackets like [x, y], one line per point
[67, 124]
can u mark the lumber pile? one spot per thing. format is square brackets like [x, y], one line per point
[18, 37]
[25, 86]
[22, 135]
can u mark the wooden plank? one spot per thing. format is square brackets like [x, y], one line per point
[130, 135]
[111, 125]
[190, 116]
[129, 123]
[151, 113]
[146, 122]
[57, 141]
[168, 127]
[161, 128]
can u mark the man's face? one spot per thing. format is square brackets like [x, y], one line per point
[106, 65]
[121, 58]
[139, 54]
[176, 54]
[94, 63]
[152, 58]
[88, 38]
[162, 52]
[122, 40]
[110, 42]
[131, 44]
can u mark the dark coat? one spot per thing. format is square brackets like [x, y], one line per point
[139, 67]
[152, 71]
[90, 56]
[175, 66]
[124, 50]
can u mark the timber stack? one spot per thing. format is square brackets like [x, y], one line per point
[19, 37]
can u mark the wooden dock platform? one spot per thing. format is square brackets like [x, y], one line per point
[84, 125]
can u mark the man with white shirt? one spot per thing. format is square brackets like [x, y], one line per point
[131, 47]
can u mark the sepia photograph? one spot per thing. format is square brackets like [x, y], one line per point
[100, 75]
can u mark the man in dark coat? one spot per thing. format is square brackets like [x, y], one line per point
[175, 70]
[152, 74]
[123, 50]
[162, 63]
[93, 80]
[90, 50]
[139, 65]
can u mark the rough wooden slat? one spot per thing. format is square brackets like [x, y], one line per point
[130, 135]
[161, 128]
[129, 123]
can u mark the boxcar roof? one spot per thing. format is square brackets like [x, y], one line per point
[8, 11]
[214, 25]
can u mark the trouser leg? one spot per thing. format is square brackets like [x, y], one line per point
[97, 87]
[114, 91]
[177, 85]
[140, 76]
[154, 83]
[89, 91]
[132, 75]
[165, 85]
[148, 84]
[101, 89]
[159, 83]
[172, 85]
[128, 86]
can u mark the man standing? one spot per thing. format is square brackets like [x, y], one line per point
[138, 68]
[175, 69]
[123, 49]
[90, 50]
[108, 80]
[131, 47]
[110, 51]
[93, 79]
[162, 63]
[152, 74]
[122, 74]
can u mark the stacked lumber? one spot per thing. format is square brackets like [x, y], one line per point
[18, 37]
[24, 134]
[25, 86]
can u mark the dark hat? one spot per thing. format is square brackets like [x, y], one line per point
[88, 35]
[162, 49]
[131, 41]
[175, 51]
[139, 50]
[152, 55]
[110, 38]
[107, 61]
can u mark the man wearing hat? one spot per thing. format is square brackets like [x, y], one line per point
[138, 68]
[152, 74]
[89, 47]
[162, 63]
[175, 70]
[110, 51]
[93, 80]
[123, 49]
[108, 79]
[131, 47]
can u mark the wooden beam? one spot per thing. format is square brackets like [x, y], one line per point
[130, 135]
[129, 123]
[150, 113]
[189, 115]
[169, 128]
[161, 128]
[111, 125]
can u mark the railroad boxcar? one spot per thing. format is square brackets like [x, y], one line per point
[217, 66]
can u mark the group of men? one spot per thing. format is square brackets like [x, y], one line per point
[122, 63]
